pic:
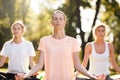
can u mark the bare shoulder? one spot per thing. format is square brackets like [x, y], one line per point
[89, 45]
[88, 48]
[110, 45]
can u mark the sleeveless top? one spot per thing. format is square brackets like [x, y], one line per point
[99, 63]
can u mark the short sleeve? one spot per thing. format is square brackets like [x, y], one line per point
[41, 45]
[31, 49]
[76, 46]
[5, 49]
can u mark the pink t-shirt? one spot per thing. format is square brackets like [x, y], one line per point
[58, 57]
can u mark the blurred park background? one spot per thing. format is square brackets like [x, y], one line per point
[82, 16]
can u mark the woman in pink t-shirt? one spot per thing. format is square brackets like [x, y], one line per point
[59, 53]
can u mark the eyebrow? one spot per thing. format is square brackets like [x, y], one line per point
[59, 17]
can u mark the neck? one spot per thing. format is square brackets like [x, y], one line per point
[99, 41]
[17, 39]
[58, 34]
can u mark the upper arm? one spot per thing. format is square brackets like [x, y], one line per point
[32, 63]
[112, 57]
[111, 50]
[41, 58]
[86, 54]
[76, 60]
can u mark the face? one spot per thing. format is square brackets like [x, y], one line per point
[58, 20]
[100, 32]
[17, 30]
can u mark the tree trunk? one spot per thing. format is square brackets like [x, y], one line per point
[95, 18]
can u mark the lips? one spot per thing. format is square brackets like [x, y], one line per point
[57, 24]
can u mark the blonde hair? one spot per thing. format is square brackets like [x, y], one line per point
[96, 27]
[59, 11]
[20, 22]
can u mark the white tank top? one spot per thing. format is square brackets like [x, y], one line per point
[99, 63]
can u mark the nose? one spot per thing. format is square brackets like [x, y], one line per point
[58, 20]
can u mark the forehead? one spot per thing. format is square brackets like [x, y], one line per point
[100, 27]
[17, 25]
[58, 14]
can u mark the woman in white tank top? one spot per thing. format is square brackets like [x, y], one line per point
[99, 52]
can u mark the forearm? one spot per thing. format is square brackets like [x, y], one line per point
[34, 70]
[117, 68]
[2, 61]
[83, 71]
[31, 62]
[79, 67]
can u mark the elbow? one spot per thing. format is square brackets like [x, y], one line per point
[2, 61]
[77, 68]
[1, 65]
[41, 67]
[117, 68]
[83, 65]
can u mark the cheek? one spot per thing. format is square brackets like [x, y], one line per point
[52, 22]
[64, 22]
[13, 31]
[97, 34]
[22, 31]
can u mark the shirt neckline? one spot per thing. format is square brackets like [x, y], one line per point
[58, 39]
